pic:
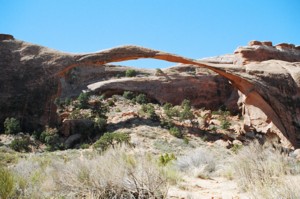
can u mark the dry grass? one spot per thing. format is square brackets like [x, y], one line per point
[202, 162]
[264, 172]
[117, 173]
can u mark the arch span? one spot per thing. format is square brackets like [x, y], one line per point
[257, 94]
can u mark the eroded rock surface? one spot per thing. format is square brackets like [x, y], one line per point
[268, 78]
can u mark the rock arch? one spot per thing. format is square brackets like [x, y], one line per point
[267, 76]
[256, 94]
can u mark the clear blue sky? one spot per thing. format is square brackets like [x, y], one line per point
[192, 28]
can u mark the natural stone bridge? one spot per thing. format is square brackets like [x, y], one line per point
[268, 78]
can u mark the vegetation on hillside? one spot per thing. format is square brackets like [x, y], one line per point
[111, 135]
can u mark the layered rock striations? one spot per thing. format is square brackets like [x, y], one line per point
[267, 77]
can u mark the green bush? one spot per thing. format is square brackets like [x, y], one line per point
[111, 139]
[186, 113]
[159, 72]
[100, 109]
[225, 124]
[167, 106]
[165, 159]
[51, 138]
[67, 101]
[141, 99]
[7, 183]
[128, 95]
[149, 111]
[130, 73]
[110, 102]
[100, 124]
[84, 146]
[20, 144]
[83, 99]
[186, 104]
[236, 147]
[175, 131]
[12, 126]
[170, 111]
[166, 124]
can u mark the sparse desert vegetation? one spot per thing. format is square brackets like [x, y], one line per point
[126, 146]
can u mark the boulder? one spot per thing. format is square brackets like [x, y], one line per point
[72, 140]
[74, 126]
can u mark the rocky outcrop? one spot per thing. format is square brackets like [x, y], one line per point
[6, 37]
[261, 51]
[268, 78]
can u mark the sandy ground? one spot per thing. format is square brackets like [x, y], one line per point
[216, 188]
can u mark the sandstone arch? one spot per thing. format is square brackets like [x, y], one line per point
[256, 93]
[268, 77]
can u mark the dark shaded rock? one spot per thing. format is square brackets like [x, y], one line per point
[74, 126]
[72, 140]
[6, 37]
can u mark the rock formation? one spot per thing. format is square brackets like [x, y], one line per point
[267, 77]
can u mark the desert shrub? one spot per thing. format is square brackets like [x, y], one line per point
[8, 157]
[51, 138]
[130, 73]
[175, 131]
[141, 99]
[186, 104]
[149, 111]
[167, 106]
[128, 95]
[82, 114]
[114, 174]
[171, 111]
[62, 102]
[167, 124]
[83, 99]
[29, 175]
[67, 101]
[225, 124]
[119, 75]
[186, 112]
[100, 124]
[166, 159]
[264, 172]
[200, 163]
[100, 109]
[20, 144]
[7, 183]
[186, 140]
[236, 147]
[110, 103]
[111, 140]
[158, 72]
[12, 126]
[84, 146]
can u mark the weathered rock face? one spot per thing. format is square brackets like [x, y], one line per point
[268, 78]
[209, 91]
[6, 37]
[258, 51]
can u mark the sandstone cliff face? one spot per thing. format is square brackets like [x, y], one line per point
[268, 78]
[209, 91]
